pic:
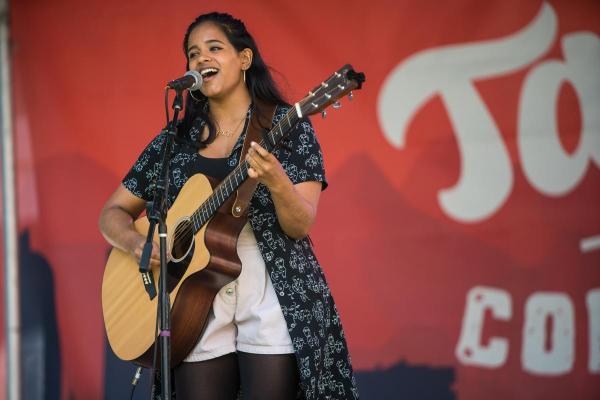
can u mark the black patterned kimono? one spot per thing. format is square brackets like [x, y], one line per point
[312, 318]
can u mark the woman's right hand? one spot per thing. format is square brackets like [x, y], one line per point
[116, 224]
[137, 249]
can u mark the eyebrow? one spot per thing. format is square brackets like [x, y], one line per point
[207, 42]
[214, 40]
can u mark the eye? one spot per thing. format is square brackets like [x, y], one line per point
[214, 48]
[192, 55]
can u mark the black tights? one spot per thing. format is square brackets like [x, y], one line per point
[261, 376]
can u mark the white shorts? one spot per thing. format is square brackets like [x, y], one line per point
[246, 314]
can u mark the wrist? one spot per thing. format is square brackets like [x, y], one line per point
[281, 185]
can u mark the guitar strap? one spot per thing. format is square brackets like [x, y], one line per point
[260, 122]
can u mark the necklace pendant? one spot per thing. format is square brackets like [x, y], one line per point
[229, 133]
[221, 132]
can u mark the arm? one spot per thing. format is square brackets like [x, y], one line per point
[116, 223]
[295, 205]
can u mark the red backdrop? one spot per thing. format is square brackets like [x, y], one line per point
[461, 225]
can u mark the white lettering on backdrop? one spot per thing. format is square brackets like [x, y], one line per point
[470, 349]
[548, 333]
[486, 176]
[548, 348]
[593, 306]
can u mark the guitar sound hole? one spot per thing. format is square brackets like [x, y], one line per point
[182, 240]
[182, 252]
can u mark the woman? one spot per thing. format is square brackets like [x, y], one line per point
[275, 331]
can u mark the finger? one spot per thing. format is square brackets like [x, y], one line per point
[254, 163]
[259, 149]
[252, 173]
[254, 154]
[155, 262]
[155, 256]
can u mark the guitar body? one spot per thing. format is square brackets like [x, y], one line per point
[210, 262]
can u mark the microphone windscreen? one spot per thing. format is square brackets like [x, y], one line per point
[198, 78]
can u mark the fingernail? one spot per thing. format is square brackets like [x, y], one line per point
[252, 144]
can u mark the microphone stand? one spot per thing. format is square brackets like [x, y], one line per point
[157, 214]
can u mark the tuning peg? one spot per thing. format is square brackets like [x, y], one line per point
[350, 96]
[324, 114]
[337, 104]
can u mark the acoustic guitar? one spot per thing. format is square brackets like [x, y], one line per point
[202, 248]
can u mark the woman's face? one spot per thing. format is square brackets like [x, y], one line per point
[221, 65]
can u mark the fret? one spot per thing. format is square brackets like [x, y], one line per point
[224, 188]
[287, 118]
[283, 128]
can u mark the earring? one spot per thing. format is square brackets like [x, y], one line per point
[244, 75]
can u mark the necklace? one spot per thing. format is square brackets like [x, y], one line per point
[228, 133]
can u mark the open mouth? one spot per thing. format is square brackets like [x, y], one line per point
[208, 73]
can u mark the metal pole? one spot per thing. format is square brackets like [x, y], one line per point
[11, 245]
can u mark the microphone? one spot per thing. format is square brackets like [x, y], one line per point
[192, 80]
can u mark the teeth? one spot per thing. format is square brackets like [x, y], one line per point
[206, 71]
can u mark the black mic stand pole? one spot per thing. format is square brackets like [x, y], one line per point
[157, 213]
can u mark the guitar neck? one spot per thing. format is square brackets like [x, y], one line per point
[240, 173]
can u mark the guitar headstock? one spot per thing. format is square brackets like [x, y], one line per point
[340, 83]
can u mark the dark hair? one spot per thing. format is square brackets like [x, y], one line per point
[258, 77]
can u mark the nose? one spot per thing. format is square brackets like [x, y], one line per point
[199, 60]
[204, 58]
